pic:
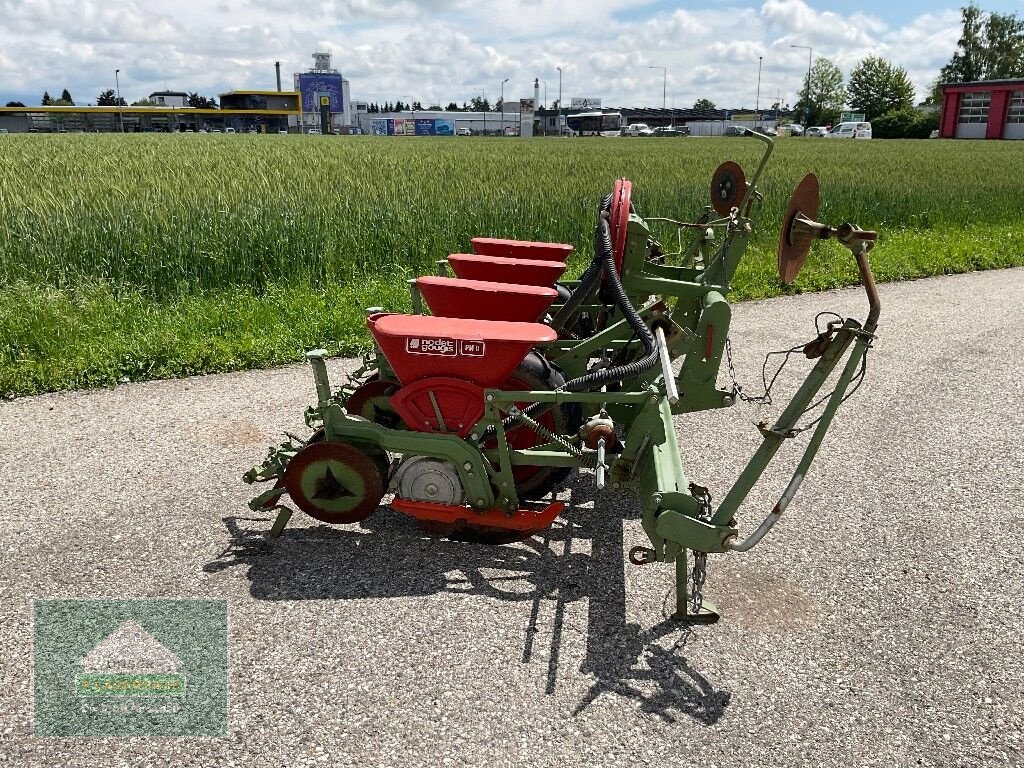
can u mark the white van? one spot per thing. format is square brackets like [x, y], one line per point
[850, 131]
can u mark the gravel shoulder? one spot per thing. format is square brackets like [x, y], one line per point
[879, 624]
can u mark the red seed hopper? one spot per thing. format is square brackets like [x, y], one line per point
[481, 300]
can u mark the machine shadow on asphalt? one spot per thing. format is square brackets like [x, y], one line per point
[388, 556]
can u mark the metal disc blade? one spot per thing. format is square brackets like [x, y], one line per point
[728, 187]
[792, 252]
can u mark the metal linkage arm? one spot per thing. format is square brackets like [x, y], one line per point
[859, 242]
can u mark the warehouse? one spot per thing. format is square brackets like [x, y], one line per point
[241, 111]
[989, 109]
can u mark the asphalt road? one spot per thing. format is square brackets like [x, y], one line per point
[879, 624]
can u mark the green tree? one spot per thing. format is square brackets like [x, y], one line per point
[991, 47]
[46, 99]
[479, 104]
[904, 124]
[1003, 56]
[144, 103]
[107, 98]
[822, 96]
[967, 63]
[704, 105]
[399, 106]
[201, 102]
[878, 86]
[65, 96]
[452, 107]
[14, 104]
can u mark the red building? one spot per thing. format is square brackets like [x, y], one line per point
[990, 109]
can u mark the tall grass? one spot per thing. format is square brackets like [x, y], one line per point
[163, 255]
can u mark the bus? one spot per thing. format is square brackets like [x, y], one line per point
[596, 123]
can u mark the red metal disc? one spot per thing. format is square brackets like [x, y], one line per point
[334, 482]
[622, 195]
[728, 187]
[372, 401]
[440, 404]
[793, 251]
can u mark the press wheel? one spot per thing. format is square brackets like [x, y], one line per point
[334, 482]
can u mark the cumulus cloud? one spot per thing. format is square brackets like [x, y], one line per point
[448, 50]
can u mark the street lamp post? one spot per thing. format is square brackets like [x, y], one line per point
[117, 85]
[664, 83]
[483, 98]
[757, 100]
[559, 101]
[502, 101]
[807, 93]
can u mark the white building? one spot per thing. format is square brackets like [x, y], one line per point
[175, 99]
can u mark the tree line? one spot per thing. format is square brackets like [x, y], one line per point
[991, 47]
[109, 98]
[476, 104]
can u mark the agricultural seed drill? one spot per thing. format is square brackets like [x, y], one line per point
[473, 415]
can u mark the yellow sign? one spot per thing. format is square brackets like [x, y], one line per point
[325, 101]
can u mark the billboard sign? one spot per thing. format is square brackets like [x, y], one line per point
[424, 127]
[398, 125]
[444, 127]
[379, 126]
[315, 85]
[851, 117]
[525, 106]
[585, 102]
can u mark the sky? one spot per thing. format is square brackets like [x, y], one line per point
[436, 51]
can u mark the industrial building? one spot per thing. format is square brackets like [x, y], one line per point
[241, 111]
[989, 109]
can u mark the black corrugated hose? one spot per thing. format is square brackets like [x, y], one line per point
[604, 256]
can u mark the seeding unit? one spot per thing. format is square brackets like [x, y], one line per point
[473, 415]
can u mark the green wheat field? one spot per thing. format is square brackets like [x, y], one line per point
[158, 256]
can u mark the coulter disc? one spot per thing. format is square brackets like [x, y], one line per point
[793, 248]
[728, 187]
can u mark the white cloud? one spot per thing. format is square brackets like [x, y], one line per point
[444, 50]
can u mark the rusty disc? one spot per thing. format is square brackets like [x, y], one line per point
[728, 187]
[334, 482]
[792, 252]
[372, 401]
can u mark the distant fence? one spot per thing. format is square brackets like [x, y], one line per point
[717, 127]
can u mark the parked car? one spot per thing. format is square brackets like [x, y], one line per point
[794, 129]
[734, 130]
[637, 129]
[567, 131]
[229, 129]
[463, 132]
[850, 131]
[672, 130]
[816, 131]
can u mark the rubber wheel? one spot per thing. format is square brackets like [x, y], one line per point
[536, 373]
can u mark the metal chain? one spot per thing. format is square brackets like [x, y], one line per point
[700, 559]
[698, 576]
[737, 388]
